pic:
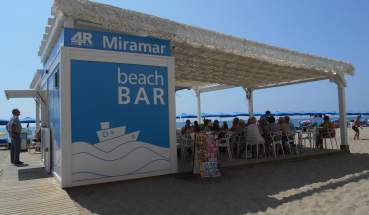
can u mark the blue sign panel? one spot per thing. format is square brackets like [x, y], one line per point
[120, 120]
[128, 95]
[80, 38]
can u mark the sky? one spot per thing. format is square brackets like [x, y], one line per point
[333, 28]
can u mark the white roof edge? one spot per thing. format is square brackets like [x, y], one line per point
[136, 23]
[216, 87]
[51, 34]
[36, 79]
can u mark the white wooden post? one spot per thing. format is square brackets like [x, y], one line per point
[37, 114]
[198, 104]
[342, 120]
[250, 100]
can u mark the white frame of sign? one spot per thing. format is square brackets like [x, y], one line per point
[68, 54]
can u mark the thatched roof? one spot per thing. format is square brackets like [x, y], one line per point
[204, 57]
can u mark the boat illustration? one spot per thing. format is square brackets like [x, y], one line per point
[110, 138]
[107, 133]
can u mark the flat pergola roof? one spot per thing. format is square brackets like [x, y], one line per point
[204, 59]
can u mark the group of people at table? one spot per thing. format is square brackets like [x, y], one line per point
[261, 131]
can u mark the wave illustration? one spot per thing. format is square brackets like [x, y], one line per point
[120, 151]
[121, 157]
[88, 175]
[126, 158]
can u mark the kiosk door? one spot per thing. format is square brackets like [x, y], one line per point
[45, 141]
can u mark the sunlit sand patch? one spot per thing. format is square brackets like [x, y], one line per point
[310, 187]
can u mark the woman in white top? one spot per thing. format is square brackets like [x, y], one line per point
[253, 133]
[253, 136]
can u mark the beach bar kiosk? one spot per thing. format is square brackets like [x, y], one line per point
[105, 98]
[110, 98]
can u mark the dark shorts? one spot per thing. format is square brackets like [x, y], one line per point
[356, 129]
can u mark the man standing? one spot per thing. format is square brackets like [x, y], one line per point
[14, 129]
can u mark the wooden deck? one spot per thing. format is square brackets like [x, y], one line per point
[29, 190]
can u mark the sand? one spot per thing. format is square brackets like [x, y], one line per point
[330, 184]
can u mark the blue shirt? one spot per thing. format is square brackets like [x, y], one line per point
[317, 121]
[292, 126]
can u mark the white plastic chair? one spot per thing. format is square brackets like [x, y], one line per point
[307, 136]
[257, 148]
[256, 143]
[330, 134]
[224, 142]
[277, 140]
[239, 140]
[290, 140]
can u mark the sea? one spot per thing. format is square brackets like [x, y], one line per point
[181, 122]
[30, 131]
[294, 120]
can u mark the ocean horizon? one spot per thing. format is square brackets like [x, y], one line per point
[181, 122]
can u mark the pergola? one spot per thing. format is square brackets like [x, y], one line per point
[206, 60]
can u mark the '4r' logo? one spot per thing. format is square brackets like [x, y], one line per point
[82, 39]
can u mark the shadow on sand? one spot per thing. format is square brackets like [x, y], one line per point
[240, 190]
[32, 173]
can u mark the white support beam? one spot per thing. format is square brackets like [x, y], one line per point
[37, 114]
[293, 82]
[198, 105]
[215, 88]
[250, 100]
[20, 94]
[342, 120]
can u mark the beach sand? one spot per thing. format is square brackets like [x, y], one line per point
[334, 184]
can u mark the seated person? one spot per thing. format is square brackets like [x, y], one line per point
[287, 133]
[207, 125]
[263, 127]
[253, 136]
[238, 134]
[272, 126]
[327, 130]
[187, 128]
[267, 115]
[292, 126]
[235, 124]
[241, 127]
[196, 127]
[284, 128]
[223, 130]
[215, 127]
[265, 132]
[225, 126]
[317, 120]
[271, 129]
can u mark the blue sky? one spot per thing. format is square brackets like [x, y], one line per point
[333, 28]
